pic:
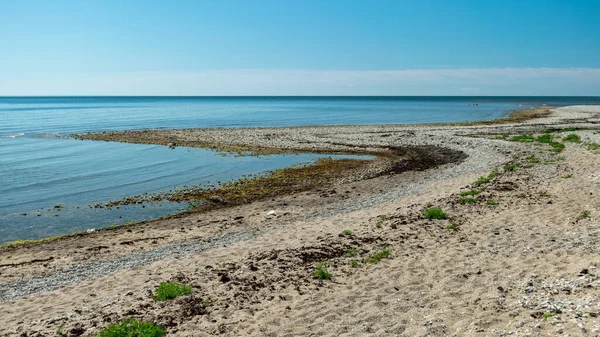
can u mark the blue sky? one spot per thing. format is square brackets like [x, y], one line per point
[345, 47]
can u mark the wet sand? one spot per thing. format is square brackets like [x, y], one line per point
[522, 258]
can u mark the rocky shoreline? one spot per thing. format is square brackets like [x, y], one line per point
[514, 253]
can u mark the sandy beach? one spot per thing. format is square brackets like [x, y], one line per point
[516, 253]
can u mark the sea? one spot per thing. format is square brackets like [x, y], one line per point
[50, 182]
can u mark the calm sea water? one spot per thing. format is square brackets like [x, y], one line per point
[41, 169]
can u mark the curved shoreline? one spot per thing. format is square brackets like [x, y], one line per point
[505, 228]
[278, 141]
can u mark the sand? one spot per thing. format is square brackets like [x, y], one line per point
[526, 265]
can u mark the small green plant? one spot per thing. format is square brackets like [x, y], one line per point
[570, 175]
[383, 217]
[378, 224]
[346, 232]
[584, 215]
[351, 252]
[354, 264]
[554, 160]
[512, 167]
[491, 202]
[434, 213]
[572, 138]
[452, 227]
[548, 315]
[484, 180]
[60, 331]
[523, 138]
[533, 159]
[504, 136]
[467, 200]
[375, 258]
[593, 146]
[549, 139]
[321, 272]
[428, 204]
[471, 192]
[170, 290]
[133, 328]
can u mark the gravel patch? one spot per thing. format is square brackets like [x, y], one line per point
[30, 285]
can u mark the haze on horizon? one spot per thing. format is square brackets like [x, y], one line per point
[310, 47]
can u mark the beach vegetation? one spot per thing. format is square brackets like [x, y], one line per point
[533, 159]
[467, 200]
[133, 328]
[379, 224]
[434, 213]
[549, 139]
[548, 315]
[470, 192]
[584, 215]
[570, 175]
[346, 232]
[484, 180]
[351, 252]
[275, 183]
[523, 138]
[572, 138]
[383, 217]
[171, 290]
[491, 202]
[376, 257]
[452, 227]
[554, 160]
[511, 167]
[593, 146]
[503, 136]
[321, 271]
[354, 264]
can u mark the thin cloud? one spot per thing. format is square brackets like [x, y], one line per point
[444, 81]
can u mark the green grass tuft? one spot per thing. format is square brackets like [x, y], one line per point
[375, 258]
[453, 227]
[434, 213]
[346, 232]
[549, 139]
[491, 202]
[593, 146]
[170, 290]
[321, 272]
[351, 252]
[584, 215]
[471, 192]
[133, 328]
[570, 175]
[484, 180]
[532, 159]
[572, 138]
[512, 167]
[354, 264]
[467, 200]
[523, 138]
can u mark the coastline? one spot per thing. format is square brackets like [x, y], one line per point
[301, 223]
